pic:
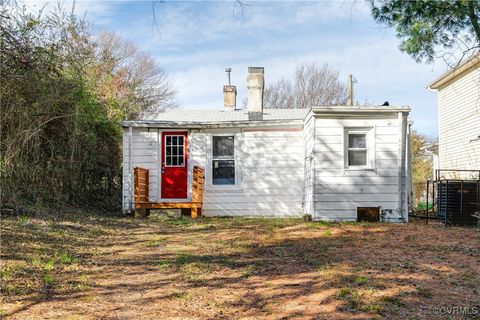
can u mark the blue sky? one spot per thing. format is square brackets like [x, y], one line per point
[196, 40]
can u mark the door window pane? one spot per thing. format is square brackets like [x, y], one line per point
[174, 150]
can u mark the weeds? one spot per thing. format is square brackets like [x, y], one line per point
[235, 262]
[184, 296]
[155, 243]
[422, 291]
[361, 280]
[48, 279]
[247, 272]
[352, 296]
[327, 233]
[163, 265]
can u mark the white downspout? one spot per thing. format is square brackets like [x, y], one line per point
[159, 160]
[313, 167]
[130, 166]
[402, 127]
[409, 168]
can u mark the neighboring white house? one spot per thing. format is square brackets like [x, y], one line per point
[326, 161]
[458, 93]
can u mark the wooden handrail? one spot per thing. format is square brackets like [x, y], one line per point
[141, 192]
[197, 190]
[141, 184]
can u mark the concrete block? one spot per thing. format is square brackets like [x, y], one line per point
[166, 213]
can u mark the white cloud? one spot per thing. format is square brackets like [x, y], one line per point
[383, 73]
[196, 41]
[97, 11]
[180, 22]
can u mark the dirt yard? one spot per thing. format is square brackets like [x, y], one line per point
[85, 266]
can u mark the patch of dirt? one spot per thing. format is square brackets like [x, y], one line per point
[87, 266]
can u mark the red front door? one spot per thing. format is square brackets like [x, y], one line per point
[174, 164]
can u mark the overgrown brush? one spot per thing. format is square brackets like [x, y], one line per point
[60, 135]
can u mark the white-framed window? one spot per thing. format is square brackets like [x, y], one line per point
[223, 160]
[359, 148]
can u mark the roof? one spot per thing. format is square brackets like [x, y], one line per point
[468, 65]
[180, 118]
[431, 147]
[228, 115]
[197, 118]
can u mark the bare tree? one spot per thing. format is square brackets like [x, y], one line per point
[124, 73]
[313, 86]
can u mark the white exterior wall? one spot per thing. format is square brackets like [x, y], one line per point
[339, 191]
[459, 123]
[270, 175]
[269, 164]
[286, 171]
[145, 153]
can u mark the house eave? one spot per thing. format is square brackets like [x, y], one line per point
[447, 77]
[209, 124]
[356, 111]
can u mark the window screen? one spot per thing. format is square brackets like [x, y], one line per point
[223, 160]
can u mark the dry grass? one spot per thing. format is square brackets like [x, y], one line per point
[86, 266]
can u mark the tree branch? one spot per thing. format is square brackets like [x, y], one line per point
[474, 19]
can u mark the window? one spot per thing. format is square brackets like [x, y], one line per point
[174, 151]
[358, 148]
[223, 160]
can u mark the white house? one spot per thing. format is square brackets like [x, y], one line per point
[458, 93]
[329, 162]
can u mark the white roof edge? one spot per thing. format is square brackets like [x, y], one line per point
[208, 124]
[360, 109]
[465, 66]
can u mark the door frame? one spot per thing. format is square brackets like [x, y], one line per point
[160, 161]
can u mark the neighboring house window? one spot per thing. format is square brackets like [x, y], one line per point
[358, 149]
[223, 160]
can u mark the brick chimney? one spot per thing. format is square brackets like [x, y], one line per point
[255, 85]
[229, 93]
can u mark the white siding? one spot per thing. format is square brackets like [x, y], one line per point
[337, 191]
[271, 176]
[284, 171]
[459, 122]
[144, 154]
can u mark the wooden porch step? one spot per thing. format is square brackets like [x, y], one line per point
[166, 205]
